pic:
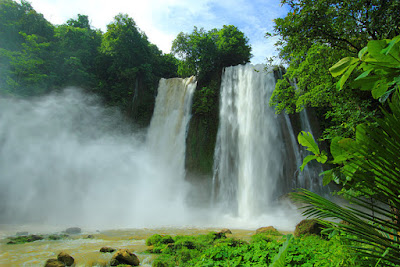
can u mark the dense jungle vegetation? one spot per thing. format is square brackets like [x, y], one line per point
[341, 58]
[344, 60]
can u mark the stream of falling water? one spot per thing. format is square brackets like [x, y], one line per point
[67, 160]
[249, 149]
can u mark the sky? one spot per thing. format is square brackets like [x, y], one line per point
[163, 20]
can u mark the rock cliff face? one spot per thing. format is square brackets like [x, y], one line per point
[203, 128]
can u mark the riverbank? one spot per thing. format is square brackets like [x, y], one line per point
[85, 247]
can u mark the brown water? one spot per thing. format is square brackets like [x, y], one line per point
[85, 250]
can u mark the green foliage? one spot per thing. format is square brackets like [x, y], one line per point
[153, 240]
[121, 65]
[379, 65]
[24, 239]
[205, 250]
[377, 62]
[313, 36]
[307, 140]
[368, 166]
[280, 258]
[205, 52]
[205, 102]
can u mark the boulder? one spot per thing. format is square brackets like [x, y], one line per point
[90, 236]
[65, 258]
[308, 227]
[123, 256]
[226, 231]
[73, 230]
[54, 263]
[107, 249]
[268, 230]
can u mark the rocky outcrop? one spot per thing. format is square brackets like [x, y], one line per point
[267, 230]
[225, 231]
[25, 239]
[308, 227]
[124, 256]
[54, 263]
[65, 258]
[107, 250]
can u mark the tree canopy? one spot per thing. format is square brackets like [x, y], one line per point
[37, 57]
[203, 52]
[313, 36]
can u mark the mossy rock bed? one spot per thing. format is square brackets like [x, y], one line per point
[22, 239]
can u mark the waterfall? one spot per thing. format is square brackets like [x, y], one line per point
[67, 160]
[248, 154]
[168, 127]
[257, 156]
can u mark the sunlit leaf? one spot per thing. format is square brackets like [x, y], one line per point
[306, 139]
[342, 66]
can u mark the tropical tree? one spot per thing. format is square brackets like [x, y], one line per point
[203, 52]
[77, 46]
[25, 38]
[313, 36]
[368, 167]
[130, 67]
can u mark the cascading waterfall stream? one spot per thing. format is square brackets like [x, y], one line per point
[67, 160]
[166, 137]
[248, 150]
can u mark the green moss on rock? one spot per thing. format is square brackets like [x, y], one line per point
[308, 227]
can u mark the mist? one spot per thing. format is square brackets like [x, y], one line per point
[65, 159]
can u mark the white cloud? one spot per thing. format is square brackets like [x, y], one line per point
[162, 20]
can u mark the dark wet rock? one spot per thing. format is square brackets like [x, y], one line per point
[270, 230]
[123, 256]
[54, 263]
[57, 237]
[226, 231]
[90, 236]
[73, 230]
[308, 227]
[25, 239]
[65, 258]
[107, 249]
[22, 233]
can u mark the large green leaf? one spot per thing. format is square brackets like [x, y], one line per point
[362, 52]
[328, 177]
[306, 139]
[379, 89]
[342, 66]
[346, 75]
[307, 160]
[280, 258]
[340, 148]
[391, 45]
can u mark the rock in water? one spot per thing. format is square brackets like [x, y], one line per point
[107, 249]
[73, 230]
[123, 256]
[65, 258]
[54, 263]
